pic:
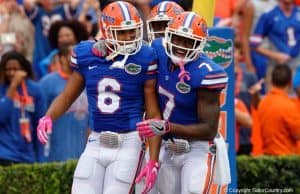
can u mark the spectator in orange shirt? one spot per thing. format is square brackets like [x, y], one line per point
[225, 8]
[230, 13]
[244, 80]
[279, 117]
[227, 12]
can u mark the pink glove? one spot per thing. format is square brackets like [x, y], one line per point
[44, 128]
[150, 172]
[99, 48]
[151, 127]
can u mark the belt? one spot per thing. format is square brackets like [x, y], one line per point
[125, 131]
[119, 132]
[112, 139]
[177, 146]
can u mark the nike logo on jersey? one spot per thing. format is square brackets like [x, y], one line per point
[92, 67]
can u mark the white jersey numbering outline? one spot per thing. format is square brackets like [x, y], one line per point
[169, 105]
[291, 36]
[206, 65]
[104, 96]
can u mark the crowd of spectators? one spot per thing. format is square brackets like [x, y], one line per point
[36, 37]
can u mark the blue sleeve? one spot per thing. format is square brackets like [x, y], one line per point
[209, 75]
[262, 29]
[66, 11]
[152, 66]
[33, 14]
[6, 104]
[214, 80]
[81, 55]
[159, 52]
[263, 25]
[74, 59]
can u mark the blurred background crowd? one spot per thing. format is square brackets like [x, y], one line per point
[35, 41]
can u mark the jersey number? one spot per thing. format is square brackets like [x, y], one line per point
[169, 105]
[291, 36]
[209, 68]
[108, 100]
[47, 21]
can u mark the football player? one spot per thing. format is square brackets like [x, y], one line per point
[160, 16]
[189, 86]
[119, 87]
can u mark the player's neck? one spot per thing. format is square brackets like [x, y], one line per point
[173, 67]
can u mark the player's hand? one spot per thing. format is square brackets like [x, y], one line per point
[44, 128]
[151, 127]
[256, 87]
[150, 172]
[99, 48]
[282, 58]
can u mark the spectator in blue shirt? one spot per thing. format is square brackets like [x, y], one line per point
[62, 33]
[21, 105]
[43, 13]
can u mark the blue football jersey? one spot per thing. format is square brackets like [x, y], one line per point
[115, 96]
[178, 101]
[283, 32]
[42, 20]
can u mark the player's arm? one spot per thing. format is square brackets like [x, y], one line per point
[29, 4]
[152, 111]
[208, 109]
[262, 29]
[73, 89]
[242, 115]
[151, 168]
[279, 57]
[74, 4]
[248, 22]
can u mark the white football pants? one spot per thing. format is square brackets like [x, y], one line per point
[103, 170]
[187, 173]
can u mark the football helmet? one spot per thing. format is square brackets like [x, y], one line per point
[185, 37]
[160, 16]
[117, 19]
